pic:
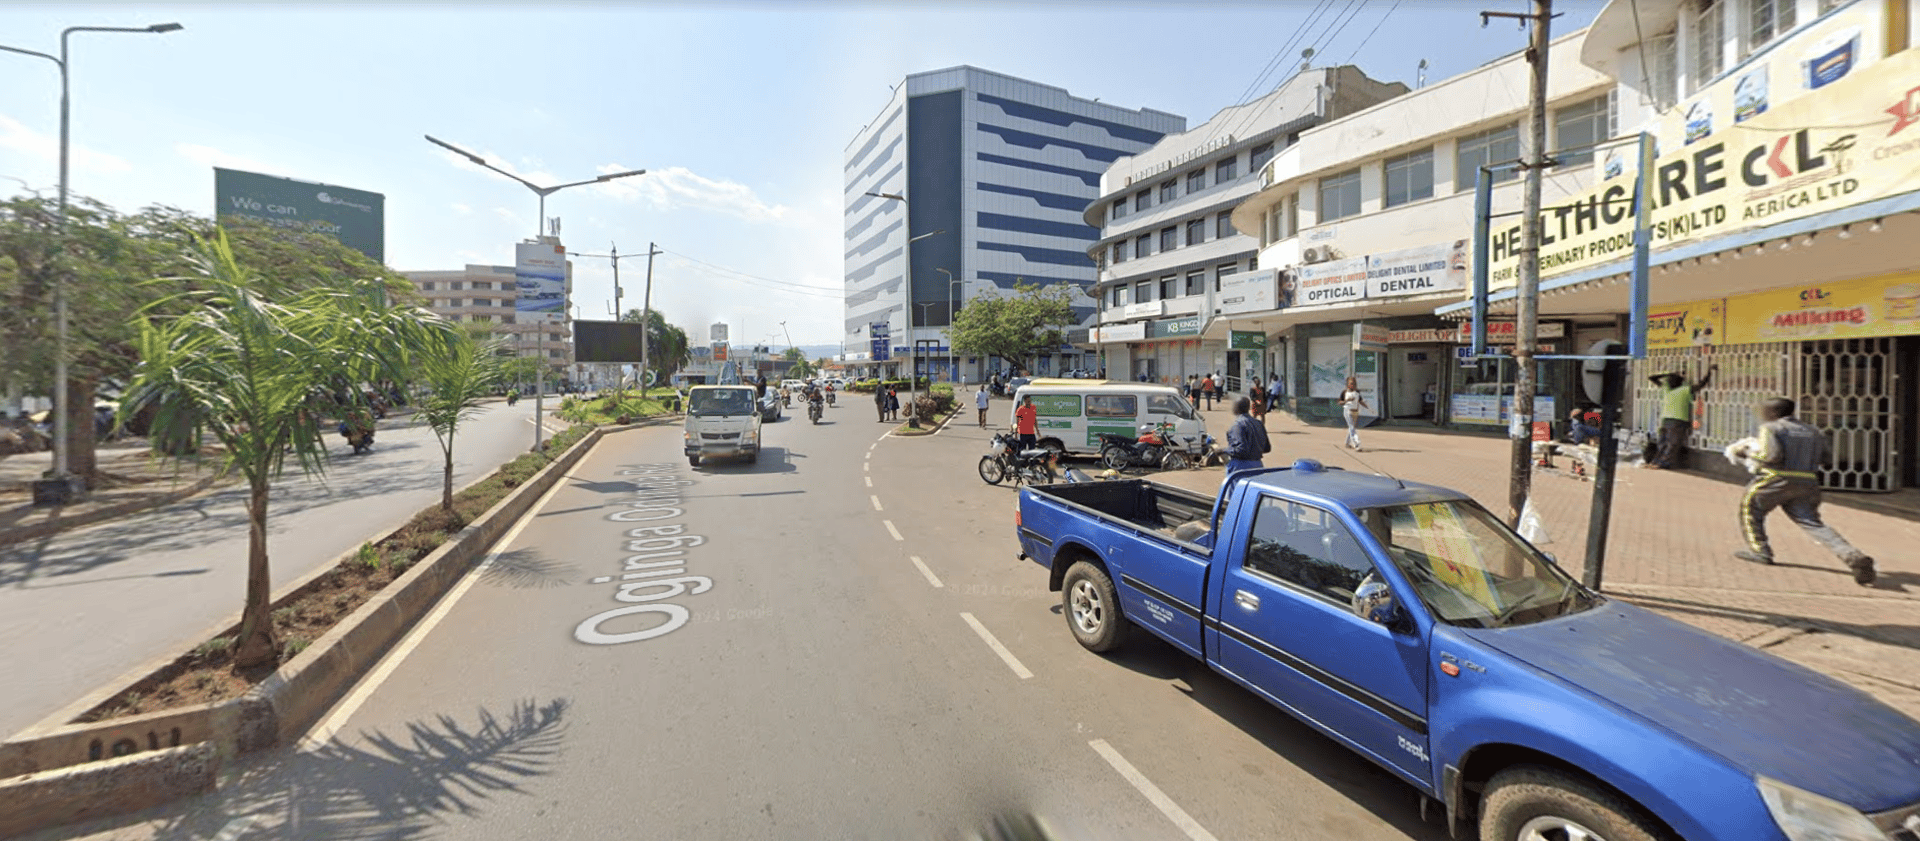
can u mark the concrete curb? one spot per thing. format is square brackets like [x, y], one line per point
[22, 534]
[76, 771]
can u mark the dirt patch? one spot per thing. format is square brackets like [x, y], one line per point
[208, 674]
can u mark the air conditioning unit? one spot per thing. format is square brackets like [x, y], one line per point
[1314, 254]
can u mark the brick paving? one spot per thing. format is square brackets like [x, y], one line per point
[1670, 548]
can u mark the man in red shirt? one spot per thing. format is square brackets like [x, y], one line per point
[1026, 423]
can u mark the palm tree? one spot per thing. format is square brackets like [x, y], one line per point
[458, 374]
[254, 373]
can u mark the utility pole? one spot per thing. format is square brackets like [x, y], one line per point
[646, 318]
[1533, 163]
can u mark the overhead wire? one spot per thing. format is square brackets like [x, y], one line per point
[1332, 31]
[1280, 58]
[762, 282]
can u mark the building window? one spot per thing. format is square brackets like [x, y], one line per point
[1221, 271]
[1142, 245]
[1707, 39]
[457, 286]
[1169, 189]
[1484, 148]
[1169, 239]
[1409, 177]
[1143, 292]
[1142, 200]
[426, 286]
[1196, 181]
[1196, 231]
[482, 284]
[1113, 297]
[1261, 154]
[1663, 73]
[1582, 124]
[1226, 170]
[1767, 20]
[1196, 281]
[1223, 224]
[1283, 221]
[1119, 252]
[1169, 287]
[1340, 196]
[484, 318]
[1122, 296]
[506, 319]
[1119, 208]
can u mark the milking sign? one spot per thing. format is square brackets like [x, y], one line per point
[1847, 143]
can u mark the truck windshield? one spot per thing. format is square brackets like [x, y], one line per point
[721, 401]
[1470, 569]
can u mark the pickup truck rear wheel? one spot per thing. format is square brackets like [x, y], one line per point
[1092, 608]
[1532, 803]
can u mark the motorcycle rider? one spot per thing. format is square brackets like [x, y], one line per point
[357, 428]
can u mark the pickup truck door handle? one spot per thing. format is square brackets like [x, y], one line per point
[1246, 600]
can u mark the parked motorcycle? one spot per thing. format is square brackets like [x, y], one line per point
[1034, 467]
[1156, 447]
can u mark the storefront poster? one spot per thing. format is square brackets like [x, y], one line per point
[1247, 292]
[1492, 409]
[1329, 361]
[1332, 282]
[1366, 378]
[1850, 142]
[1246, 339]
[1371, 336]
[1856, 309]
[1417, 271]
[1831, 58]
[1750, 95]
[1692, 324]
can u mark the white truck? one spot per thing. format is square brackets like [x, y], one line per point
[722, 421]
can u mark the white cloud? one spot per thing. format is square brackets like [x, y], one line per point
[679, 187]
[15, 136]
[509, 215]
[207, 156]
[462, 209]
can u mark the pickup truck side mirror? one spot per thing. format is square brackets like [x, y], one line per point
[1373, 601]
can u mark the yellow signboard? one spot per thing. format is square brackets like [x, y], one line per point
[1692, 324]
[1854, 309]
[1852, 141]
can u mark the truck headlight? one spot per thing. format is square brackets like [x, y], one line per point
[1805, 816]
[687, 437]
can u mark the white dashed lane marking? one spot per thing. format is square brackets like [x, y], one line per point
[891, 530]
[1006, 656]
[876, 503]
[931, 578]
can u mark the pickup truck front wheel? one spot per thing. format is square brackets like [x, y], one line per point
[1532, 803]
[1092, 608]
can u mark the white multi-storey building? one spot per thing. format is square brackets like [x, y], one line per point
[485, 295]
[1167, 242]
[994, 173]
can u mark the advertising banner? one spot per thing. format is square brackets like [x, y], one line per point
[879, 340]
[1504, 332]
[1123, 332]
[1366, 378]
[1371, 336]
[356, 218]
[1418, 271]
[1855, 309]
[1332, 282]
[1692, 324]
[1849, 142]
[1246, 340]
[540, 270]
[1329, 361]
[1247, 292]
[1172, 327]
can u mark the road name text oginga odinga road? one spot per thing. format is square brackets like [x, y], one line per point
[657, 549]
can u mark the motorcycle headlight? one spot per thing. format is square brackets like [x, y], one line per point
[1805, 816]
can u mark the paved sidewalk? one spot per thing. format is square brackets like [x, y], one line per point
[1670, 549]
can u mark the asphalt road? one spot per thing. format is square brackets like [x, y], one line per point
[862, 657]
[82, 608]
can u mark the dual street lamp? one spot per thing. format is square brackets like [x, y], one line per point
[63, 486]
[906, 296]
[540, 335]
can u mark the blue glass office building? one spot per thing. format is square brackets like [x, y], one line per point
[1003, 169]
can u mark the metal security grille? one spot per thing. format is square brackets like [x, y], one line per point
[1846, 388]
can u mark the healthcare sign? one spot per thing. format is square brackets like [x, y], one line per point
[540, 272]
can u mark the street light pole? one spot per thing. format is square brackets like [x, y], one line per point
[953, 356]
[906, 291]
[61, 416]
[540, 335]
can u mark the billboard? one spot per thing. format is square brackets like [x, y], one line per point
[1246, 292]
[540, 271]
[356, 218]
[608, 341]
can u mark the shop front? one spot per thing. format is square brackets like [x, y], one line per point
[1165, 350]
[1480, 390]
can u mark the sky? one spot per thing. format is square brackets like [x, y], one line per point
[740, 111]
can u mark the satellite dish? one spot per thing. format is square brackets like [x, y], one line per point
[1592, 371]
[1306, 59]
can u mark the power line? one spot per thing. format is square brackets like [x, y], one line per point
[779, 285]
[1284, 54]
[1333, 30]
[1376, 31]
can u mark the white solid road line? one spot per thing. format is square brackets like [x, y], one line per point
[891, 530]
[931, 579]
[1158, 798]
[320, 735]
[1005, 655]
[876, 502]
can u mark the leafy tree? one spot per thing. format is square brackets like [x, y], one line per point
[798, 367]
[458, 374]
[225, 359]
[1015, 328]
[667, 345]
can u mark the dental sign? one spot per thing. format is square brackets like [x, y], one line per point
[1390, 274]
[1852, 141]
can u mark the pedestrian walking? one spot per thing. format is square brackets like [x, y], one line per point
[1350, 405]
[1257, 404]
[893, 404]
[880, 401]
[1026, 423]
[1676, 416]
[1206, 389]
[980, 402]
[1247, 441]
[1276, 392]
[1786, 453]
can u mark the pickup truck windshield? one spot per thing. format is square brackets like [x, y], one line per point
[724, 401]
[1470, 569]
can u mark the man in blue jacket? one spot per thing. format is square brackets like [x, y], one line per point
[1246, 440]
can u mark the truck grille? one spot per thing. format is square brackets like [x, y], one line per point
[719, 436]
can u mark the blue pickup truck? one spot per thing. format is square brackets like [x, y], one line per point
[1410, 625]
